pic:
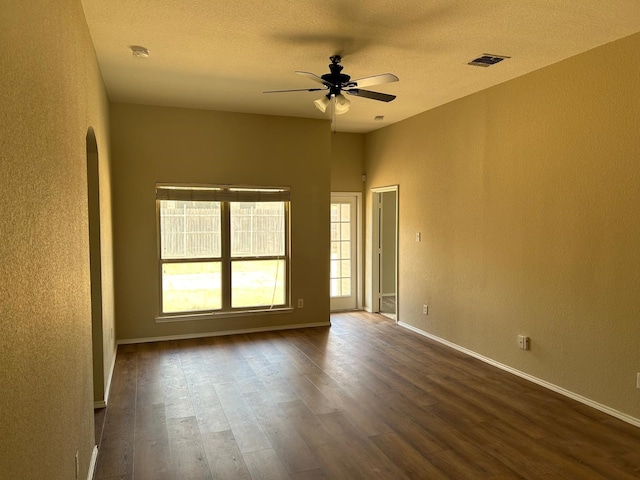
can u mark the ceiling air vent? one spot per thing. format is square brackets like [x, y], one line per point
[486, 60]
[138, 51]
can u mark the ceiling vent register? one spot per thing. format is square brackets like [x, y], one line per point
[486, 60]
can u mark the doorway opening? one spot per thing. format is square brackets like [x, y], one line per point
[385, 251]
[95, 266]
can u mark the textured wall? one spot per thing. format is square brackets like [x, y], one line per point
[527, 198]
[50, 94]
[156, 144]
[347, 162]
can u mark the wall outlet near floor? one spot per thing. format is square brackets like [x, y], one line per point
[300, 303]
[523, 342]
[425, 309]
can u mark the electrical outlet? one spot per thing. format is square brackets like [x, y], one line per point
[425, 309]
[300, 303]
[638, 381]
[523, 342]
[418, 237]
[111, 333]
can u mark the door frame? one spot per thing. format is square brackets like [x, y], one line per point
[375, 229]
[359, 255]
[95, 268]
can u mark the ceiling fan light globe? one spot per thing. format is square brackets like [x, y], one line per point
[321, 104]
[342, 104]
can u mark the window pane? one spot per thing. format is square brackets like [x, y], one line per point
[345, 250]
[335, 268]
[335, 250]
[345, 231]
[189, 229]
[188, 287]
[335, 231]
[345, 270]
[257, 283]
[346, 287]
[335, 288]
[335, 212]
[257, 229]
[345, 212]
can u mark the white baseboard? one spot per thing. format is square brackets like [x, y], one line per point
[188, 336]
[92, 463]
[107, 388]
[562, 391]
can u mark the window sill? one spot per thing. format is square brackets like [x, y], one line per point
[190, 317]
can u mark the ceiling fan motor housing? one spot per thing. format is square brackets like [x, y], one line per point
[335, 79]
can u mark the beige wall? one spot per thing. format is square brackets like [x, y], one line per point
[50, 94]
[347, 162]
[527, 198]
[156, 144]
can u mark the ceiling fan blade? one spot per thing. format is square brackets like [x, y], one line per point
[374, 80]
[313, 76]
[296, 90]
[383, 97]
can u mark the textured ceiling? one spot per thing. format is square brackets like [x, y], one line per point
[217, 55]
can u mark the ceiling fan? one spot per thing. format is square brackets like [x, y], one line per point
[337, 83]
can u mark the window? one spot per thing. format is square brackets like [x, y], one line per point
[222, 249]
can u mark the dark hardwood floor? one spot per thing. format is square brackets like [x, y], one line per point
[363, 399]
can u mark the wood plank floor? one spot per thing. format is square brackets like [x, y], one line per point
[363, 399]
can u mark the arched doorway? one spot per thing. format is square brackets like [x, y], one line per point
[95, 255]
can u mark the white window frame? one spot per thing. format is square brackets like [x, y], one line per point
[225, 194]
[357, 267]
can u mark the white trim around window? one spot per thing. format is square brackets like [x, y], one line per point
[222, 251]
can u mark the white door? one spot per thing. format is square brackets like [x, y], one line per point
[344, 248]
[384, 278]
